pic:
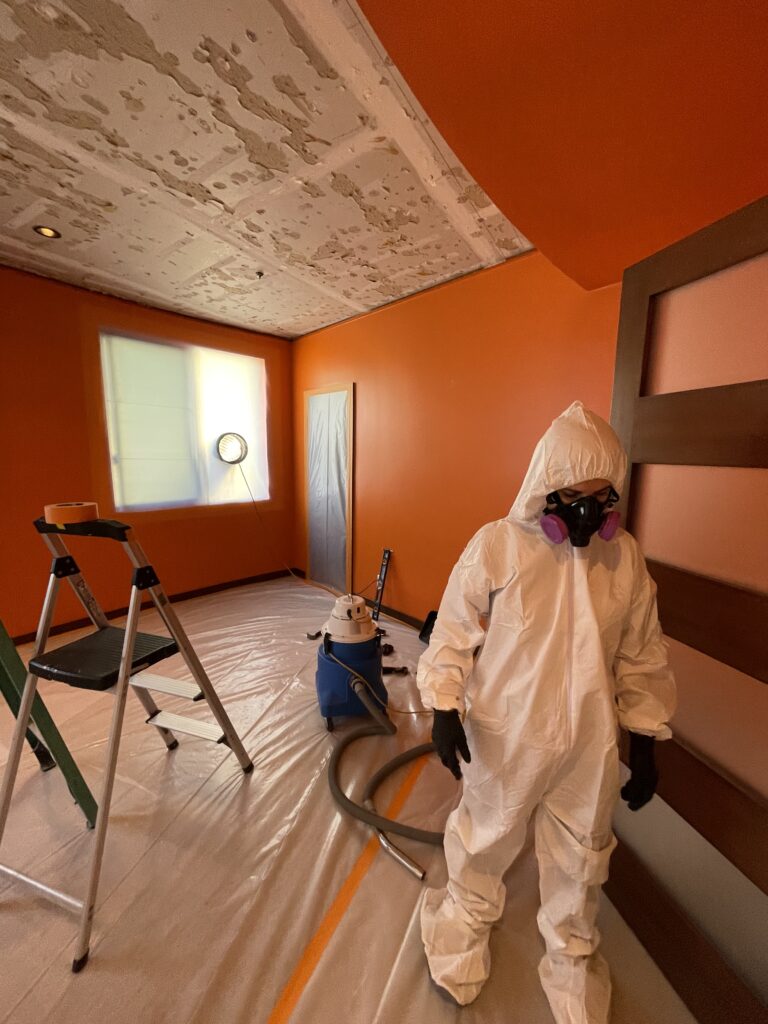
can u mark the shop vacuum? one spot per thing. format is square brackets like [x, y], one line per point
[351, 643]
[349, 682]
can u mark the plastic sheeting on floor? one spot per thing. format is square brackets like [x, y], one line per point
[230, 899]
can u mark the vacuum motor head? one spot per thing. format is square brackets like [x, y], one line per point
[350, 621]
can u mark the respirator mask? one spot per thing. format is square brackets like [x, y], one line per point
[580, 519]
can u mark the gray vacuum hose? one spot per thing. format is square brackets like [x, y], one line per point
[384, 727]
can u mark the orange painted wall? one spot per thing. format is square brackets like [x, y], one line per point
[53, 448]
[453, 388]
[605, 131]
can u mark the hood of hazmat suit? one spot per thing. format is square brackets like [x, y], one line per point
[548, 648]
[578, 442]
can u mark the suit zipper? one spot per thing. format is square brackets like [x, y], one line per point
[569, 656]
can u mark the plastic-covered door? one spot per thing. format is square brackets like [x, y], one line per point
[328, 416]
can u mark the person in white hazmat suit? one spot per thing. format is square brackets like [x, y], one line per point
[547, 637]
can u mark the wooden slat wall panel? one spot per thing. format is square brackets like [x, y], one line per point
[725, 426]
[726, 622]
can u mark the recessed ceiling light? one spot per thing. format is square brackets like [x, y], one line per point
[47, 232]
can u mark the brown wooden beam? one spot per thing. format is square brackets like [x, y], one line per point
[726, 622]
[723, 426]
[634, 328]
[708, 986]
[738, 237]
[677, 430]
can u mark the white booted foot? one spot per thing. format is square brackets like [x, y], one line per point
[456, 946]
[578, 988]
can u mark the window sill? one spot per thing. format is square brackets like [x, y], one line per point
[159, 515]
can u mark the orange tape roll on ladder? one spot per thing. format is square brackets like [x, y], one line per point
[65, 512]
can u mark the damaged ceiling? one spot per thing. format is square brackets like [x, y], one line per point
[185, 149]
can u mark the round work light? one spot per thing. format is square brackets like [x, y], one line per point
[231, 448]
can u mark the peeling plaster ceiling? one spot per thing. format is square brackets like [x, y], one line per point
[183, 148]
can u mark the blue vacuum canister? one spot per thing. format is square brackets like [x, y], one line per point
[351, 641]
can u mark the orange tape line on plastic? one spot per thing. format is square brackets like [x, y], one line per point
[291, 994]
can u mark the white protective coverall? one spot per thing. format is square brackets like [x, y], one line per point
[547, 647]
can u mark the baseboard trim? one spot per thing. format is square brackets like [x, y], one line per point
[185, 595]
[393, 613]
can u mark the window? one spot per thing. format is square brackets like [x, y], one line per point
[167, 405]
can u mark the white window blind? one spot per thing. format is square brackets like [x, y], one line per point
[166, 406]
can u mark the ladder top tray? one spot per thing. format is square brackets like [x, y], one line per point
[93, 661]
[112, 529]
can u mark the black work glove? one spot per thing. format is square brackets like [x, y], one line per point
[644, 776]
[448, 737]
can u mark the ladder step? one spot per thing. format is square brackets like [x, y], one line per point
[162, 684]
[93, 661]
[190, 726]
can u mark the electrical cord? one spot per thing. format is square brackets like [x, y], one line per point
[285, 564]
[359, 593]
[258, 514]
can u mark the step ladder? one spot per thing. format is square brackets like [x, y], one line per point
[110, 659]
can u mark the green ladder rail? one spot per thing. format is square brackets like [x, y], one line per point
[13, 676]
